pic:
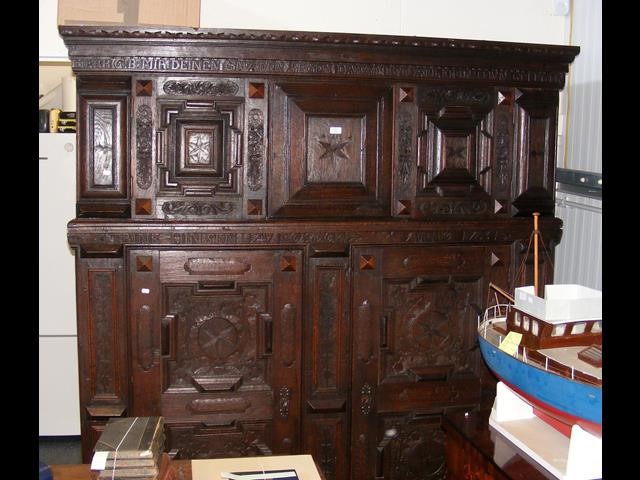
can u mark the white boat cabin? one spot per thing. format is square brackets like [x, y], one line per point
[568, 315]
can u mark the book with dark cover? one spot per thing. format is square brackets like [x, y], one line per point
[132, 437]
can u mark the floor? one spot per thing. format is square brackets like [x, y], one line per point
[60, 450]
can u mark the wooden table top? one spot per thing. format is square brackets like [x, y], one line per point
[84, 472]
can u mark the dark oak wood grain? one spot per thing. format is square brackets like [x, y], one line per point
[289, 244]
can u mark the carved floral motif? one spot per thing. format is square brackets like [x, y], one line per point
[255, 148]
[200, 88]
[144, 134]
[406, 147]
[183, 208]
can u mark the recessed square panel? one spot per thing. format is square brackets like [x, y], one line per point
[199, 147]
[331, 145]
[335, 150]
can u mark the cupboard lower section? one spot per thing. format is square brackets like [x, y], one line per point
[351, 353]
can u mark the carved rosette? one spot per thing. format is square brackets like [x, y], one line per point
[255, 149]
[200, 88]
[144, 126]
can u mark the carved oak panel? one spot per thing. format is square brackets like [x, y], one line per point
[103, 148]
[331, 150]
[202, 440]
[326, 361]
[230, 321]
[536, 151]
[415, 312]
[454, 151]
[200, 147]
[411, 447]
[102, 355]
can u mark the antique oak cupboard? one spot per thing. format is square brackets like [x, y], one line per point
[283, 239]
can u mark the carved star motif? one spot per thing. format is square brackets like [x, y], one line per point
[199, 148]
[336, 149]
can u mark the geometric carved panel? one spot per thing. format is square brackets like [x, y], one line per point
[335, 146]
[454, 151]
[238, 439]
[217, 335]
[432, 323]
[336, 155]
[199, 145]
[415, 452]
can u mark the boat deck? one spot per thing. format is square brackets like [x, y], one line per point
[569, 357]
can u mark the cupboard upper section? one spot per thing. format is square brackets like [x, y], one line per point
[215, 125]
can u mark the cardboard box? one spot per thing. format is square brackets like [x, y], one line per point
[176, 13]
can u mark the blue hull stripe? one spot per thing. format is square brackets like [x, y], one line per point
[578, 399]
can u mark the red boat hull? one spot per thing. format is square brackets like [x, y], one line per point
[561, 421]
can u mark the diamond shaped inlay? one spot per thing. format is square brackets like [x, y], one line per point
[256, 90]
[144, 263]
[498, 207]
[404, 207]
[495, 260]
[367, 262]
[143, 206]
[406, 94]
[288, 263]
[505, 97]
[144, 88]
[254, 207]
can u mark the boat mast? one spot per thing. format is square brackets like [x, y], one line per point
[535, 253]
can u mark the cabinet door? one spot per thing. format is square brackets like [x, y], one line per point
[414, 325]
[222, 364]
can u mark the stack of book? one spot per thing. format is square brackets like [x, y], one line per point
[130, 448]
[66, 122]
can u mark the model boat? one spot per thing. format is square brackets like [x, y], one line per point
[548, 350]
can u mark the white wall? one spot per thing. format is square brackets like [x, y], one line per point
[503, 20]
